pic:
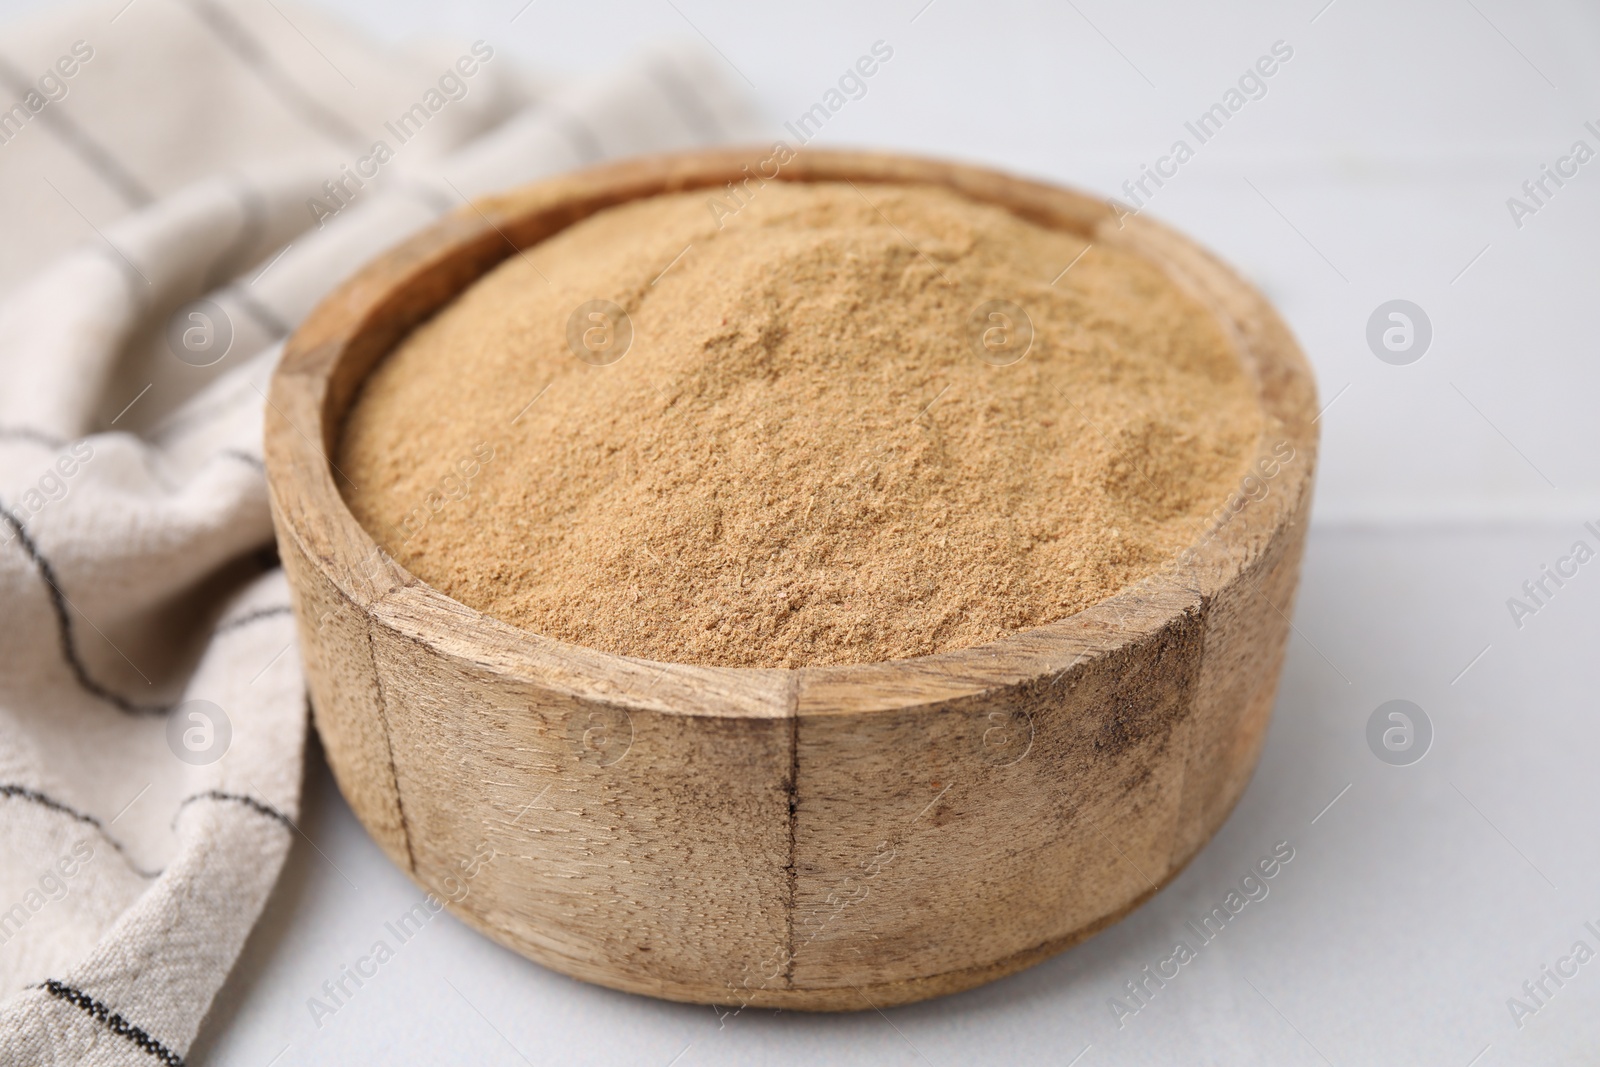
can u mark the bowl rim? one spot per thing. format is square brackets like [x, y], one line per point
[359, 323]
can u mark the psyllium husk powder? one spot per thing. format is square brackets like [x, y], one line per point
[847, 423]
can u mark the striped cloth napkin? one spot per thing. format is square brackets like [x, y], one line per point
[180, 182]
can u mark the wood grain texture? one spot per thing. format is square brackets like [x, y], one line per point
[829, 838]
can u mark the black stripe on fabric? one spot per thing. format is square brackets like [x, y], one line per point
[69, 648]
[689, 105]
[239, 798]
[111, 1021]
[251, 616]
[239, 40]
[38, 437]
[244, 457]
[11, 790]
[22, 792]
[91, 152]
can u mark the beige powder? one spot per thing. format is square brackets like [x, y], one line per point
[802, 458]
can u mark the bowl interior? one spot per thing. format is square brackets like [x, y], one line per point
[356, 327]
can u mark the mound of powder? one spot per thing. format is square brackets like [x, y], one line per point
[819, 445]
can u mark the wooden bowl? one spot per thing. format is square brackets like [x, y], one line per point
[828, 838]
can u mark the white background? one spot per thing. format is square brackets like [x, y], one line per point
[1390, 141]
[1377, 167]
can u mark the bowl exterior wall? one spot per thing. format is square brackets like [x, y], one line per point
[821, 839]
